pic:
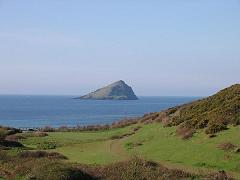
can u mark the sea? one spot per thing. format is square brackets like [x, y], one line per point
[55, 111]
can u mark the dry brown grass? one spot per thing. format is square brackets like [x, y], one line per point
[42, 165]
[146, 170]
[184, 132]
[14, 137]
[227, 146]
[41, 154]
[220, 175]
[40, 134]
[98, 127]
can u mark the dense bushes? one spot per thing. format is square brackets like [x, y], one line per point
[41, 154]
[45, 145]
[139, 169]
[5, 142]
[40, 134]
[54, 170]
[47, 169]
[14, 137]
[184, 132]
[3, 134]
[215, 127]
[228, 146]
[38, 165]
[114, 125]
[213, 113]
[9, 130]
[41, 165]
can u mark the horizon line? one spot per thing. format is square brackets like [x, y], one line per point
[81, 95]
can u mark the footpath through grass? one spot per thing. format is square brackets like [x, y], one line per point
[152, 142]
[84, 147]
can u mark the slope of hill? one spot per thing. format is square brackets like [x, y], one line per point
[213, 113]
[115, 91]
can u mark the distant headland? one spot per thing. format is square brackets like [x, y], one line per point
[116, 91]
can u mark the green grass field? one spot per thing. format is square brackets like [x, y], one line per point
[161, 144]
[152, 142]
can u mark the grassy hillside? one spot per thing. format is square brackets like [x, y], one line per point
[213, 113]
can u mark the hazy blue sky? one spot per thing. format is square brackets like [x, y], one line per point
[159, 47]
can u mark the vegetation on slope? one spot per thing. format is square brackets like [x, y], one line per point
[213, 113]
[39, 168]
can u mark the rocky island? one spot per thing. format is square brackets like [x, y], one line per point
[115, 91]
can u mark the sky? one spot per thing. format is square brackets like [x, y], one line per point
[159, 47]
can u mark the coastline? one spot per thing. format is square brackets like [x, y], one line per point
[57, 111]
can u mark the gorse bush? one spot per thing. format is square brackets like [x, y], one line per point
[184, 132]
[54, 170]
[141, 170]
[41, 154]
[40, 134]
[118, 124]
[47, 169]
[40, 166]
[14, 137]
[227, 146]
[3, 134]
[213, 113]
[215, 127]
[45, 145]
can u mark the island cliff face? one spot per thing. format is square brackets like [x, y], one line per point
[115, 91]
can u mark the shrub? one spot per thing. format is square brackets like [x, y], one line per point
[45, 169]
[41, 154]
[114, 125]
[11, 131]
[115, 137]
[40, 134]
[214, 128]
[4, 156]
[55, 170]
[47, 145]
[14, 137]
[220, 175]
[227, 146]
[3, 134]
[136, 128]
[213, 113]
[48, 129]
[184, 132]
[166, 121]
[140, 169]
[211, 135]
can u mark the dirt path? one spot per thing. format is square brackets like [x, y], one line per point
[117, 147]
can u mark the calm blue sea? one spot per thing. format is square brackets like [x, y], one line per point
[55, 111]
